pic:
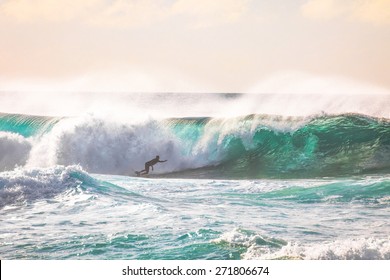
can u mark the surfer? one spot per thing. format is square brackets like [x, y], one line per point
[149, 164]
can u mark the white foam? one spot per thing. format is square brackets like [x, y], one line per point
[25, 185]
[108, 147]
[244, 238]
[237, 237]
[14, 150]
[260, 247]
[348, 249]
[111, 145]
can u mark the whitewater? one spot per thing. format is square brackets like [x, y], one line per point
[247, 177]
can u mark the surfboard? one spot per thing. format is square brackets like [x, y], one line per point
[138, 174]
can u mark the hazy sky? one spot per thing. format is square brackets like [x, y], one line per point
[193, 45]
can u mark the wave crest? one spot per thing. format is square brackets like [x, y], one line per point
[349, 249]
[28, 185]
[252, 146]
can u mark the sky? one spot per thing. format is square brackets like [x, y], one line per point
[195, 45]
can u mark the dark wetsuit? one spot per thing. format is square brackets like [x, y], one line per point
[149, 164]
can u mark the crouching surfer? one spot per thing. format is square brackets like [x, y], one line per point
[149, 164]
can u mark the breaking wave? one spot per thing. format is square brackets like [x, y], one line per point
[251, 146]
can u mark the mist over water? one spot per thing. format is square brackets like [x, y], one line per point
[288, 93]
[165, 105]
[243, 169]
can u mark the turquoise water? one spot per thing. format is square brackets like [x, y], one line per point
[247, 187]
[26, 125]
[259, 146]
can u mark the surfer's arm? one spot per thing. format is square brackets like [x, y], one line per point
[162, 160]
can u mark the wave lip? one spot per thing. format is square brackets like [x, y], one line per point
[27, 125]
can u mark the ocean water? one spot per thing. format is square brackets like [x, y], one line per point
[254, 185]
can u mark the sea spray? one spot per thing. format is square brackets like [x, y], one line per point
[103, 146]
[14, 150]
[252, 146]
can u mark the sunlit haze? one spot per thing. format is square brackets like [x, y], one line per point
[291, 47]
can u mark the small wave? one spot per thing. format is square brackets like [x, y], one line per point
[246, 238]
[368, 191]
[256, 246]
[23, 186]
[349, 249]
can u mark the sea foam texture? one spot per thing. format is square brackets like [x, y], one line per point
[22, 186]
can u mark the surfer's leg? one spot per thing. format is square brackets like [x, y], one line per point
[145, 171]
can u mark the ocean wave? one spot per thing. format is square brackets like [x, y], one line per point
[348, 249]
[370, 191]
[22, 186]
[107, 147]
[256, 246]
[258, 146]
[252, 146]
[27, 125]
[246, 238]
